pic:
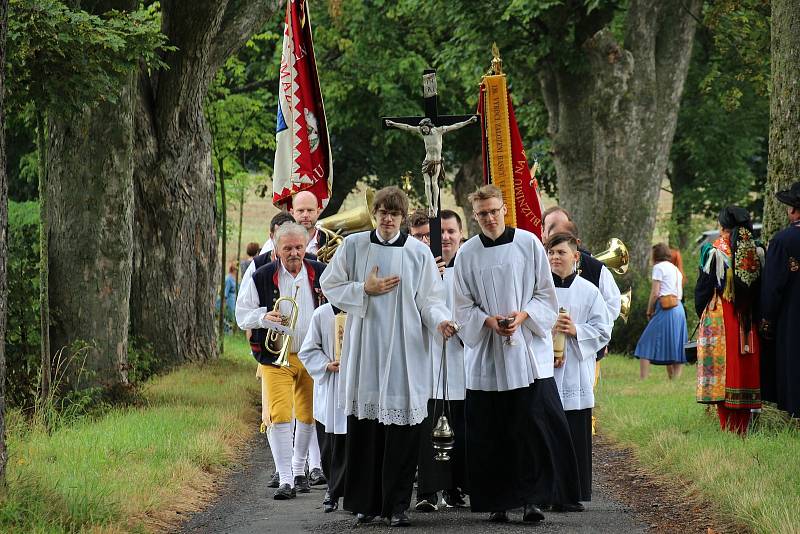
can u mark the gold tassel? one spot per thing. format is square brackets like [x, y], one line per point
[727, 294]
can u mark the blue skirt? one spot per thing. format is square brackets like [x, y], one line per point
[664, 337]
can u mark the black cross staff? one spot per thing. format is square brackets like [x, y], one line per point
[430, 95]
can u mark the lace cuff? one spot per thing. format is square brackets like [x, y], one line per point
[388, 416]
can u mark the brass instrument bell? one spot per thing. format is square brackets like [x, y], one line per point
[625, 304]
[443, 439]
[615, 257]
[336, 226]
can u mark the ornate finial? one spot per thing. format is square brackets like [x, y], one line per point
[407, 187]
[497, 63]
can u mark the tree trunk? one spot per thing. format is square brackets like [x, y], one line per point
[44, 279]
[612, 120]
[3, 243]
[784, 136]
[174, 253]
[91, 214]
[224, 260]
[468, 178]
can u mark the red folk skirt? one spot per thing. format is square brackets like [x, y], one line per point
[742, 369]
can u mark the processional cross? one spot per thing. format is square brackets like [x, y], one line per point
[431, 128]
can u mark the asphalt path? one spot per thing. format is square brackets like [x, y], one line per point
[245, 506]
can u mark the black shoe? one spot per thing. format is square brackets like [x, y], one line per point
[275, 481]
[454, 498]
[331, 506]
[284, 493]
[301, 484]
[531, 513]
[565, 508]
[363, 519]
[399, 520]
[317, 477]
[427, 503]
[498, 517]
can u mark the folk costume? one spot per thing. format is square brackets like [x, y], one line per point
[781, 308]
[519, 449]
[665, 336]
[434, 475]
[331, 422]
[728, 347]
[386, 377]
[290, 389]
[575, 379]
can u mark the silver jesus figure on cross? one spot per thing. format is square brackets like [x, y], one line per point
[432, 167]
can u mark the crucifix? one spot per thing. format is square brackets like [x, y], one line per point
[431, 128]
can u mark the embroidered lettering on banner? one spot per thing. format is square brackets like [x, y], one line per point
[794, 265]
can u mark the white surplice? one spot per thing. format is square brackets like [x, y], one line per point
[593, 323]
[316, 353]
[497, 280]
[456, 379]
[610, 292]
[385, 366]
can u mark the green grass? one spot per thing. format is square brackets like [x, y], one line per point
[755, 482]
[132, 469]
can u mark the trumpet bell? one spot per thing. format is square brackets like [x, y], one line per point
[625, 304]
[615, 257]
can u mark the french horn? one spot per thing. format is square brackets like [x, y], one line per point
[336, 226]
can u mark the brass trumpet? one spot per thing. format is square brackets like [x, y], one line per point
[280, 343]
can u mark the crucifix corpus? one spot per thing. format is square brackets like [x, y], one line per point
[431, 128]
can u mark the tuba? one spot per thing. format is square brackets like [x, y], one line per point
[335, 227]
[615, 257]
[625, 304]
[278, 342]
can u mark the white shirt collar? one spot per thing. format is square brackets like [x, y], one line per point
[390, 241]
[290, 275]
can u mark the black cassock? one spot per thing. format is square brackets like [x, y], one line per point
[781, 307]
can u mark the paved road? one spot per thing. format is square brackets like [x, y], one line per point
[245, 506]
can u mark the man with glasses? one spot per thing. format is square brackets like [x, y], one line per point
[394, 299]
[519, 450]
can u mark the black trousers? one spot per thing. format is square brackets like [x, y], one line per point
[433, 475]
[519, 448]
[332, 450]
[380, 465]
[580, 428]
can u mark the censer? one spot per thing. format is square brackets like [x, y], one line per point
[443, 437]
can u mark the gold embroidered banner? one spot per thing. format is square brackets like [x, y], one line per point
[498, 140]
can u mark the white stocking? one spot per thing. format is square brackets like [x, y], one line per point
[281, 444]
[302, 437]
[314, 457]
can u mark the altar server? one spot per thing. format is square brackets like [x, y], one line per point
[433, 475]
[586, 326]
[519, 450]
[391, 290]
[318, 355]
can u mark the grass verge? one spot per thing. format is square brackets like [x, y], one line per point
[754, 482]
[134, 469]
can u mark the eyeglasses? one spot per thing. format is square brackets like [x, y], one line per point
[422, 237]
[382, 213]
[488, 213]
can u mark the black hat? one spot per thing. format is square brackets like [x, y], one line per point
[790, 196]
[733, 216]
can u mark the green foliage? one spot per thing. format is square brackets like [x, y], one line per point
[719, 156]
[22, 331]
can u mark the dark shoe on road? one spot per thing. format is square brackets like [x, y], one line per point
[275, 481]
[317, 477]
[301, 484]
[332, 506]
[532, 513]
[284, 493]
[564, 508]
[454, 498]
[427, 503]
[498, 517]
[362, 519]
[400, 520]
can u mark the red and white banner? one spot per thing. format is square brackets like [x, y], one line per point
[302, 153]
